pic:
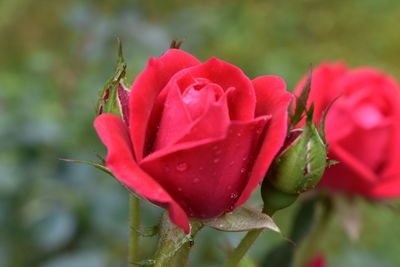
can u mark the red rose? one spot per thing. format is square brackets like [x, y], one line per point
[200, 136]
[362, 128]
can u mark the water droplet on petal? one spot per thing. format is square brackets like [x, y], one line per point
[182, 166]
[242, 170]
[196, 180]
[244, 158]
[239, 134]
[231, 163]
[215, 148]
[216, 160]
[179, 189]
[259, 131]
[234, 195]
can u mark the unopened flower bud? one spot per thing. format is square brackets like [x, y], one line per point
[114, 96]
[297, 168]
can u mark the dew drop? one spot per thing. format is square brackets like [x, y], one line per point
[234, 195]
[239, 134]
[244, 158]
[216, 160]
[196, 180]
[231, 163]
[182, 166]
[201, 168]
[259, 131]
[242, 170]
[179, 189]
[230, 208]
[215, 148]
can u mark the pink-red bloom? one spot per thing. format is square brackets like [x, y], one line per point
[362, 129]
[200, 136]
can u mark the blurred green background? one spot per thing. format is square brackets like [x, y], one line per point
[55, 57]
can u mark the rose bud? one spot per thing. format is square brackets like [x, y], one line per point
[298, 167]
[114, 96]
[200, 137]
[362, 129]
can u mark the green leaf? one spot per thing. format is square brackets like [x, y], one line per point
[301, 102]
[242, 219]
[91, 163]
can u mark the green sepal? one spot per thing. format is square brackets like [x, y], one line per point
[274, 199]
[91, 163]
[108, 101]
[242, 219]
[332, 162]
[323, 119]
[301, 102]
[103, 169]
[176, 44]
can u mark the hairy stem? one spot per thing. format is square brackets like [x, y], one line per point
[134, 221]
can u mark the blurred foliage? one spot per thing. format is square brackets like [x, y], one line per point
[55, 57]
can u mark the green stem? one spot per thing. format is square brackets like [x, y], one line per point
[181, 258]
[274, 200]
[174, 244]
[238, 253]
[134, 221]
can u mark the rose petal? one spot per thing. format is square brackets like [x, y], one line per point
[175, 120]
[345, 158]
[145, 90]
[213, 123]
[206, 177]
[242, 101]
[388, 189]
[272, 99]
[368, 147]
[341, 177]
[114, 134]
